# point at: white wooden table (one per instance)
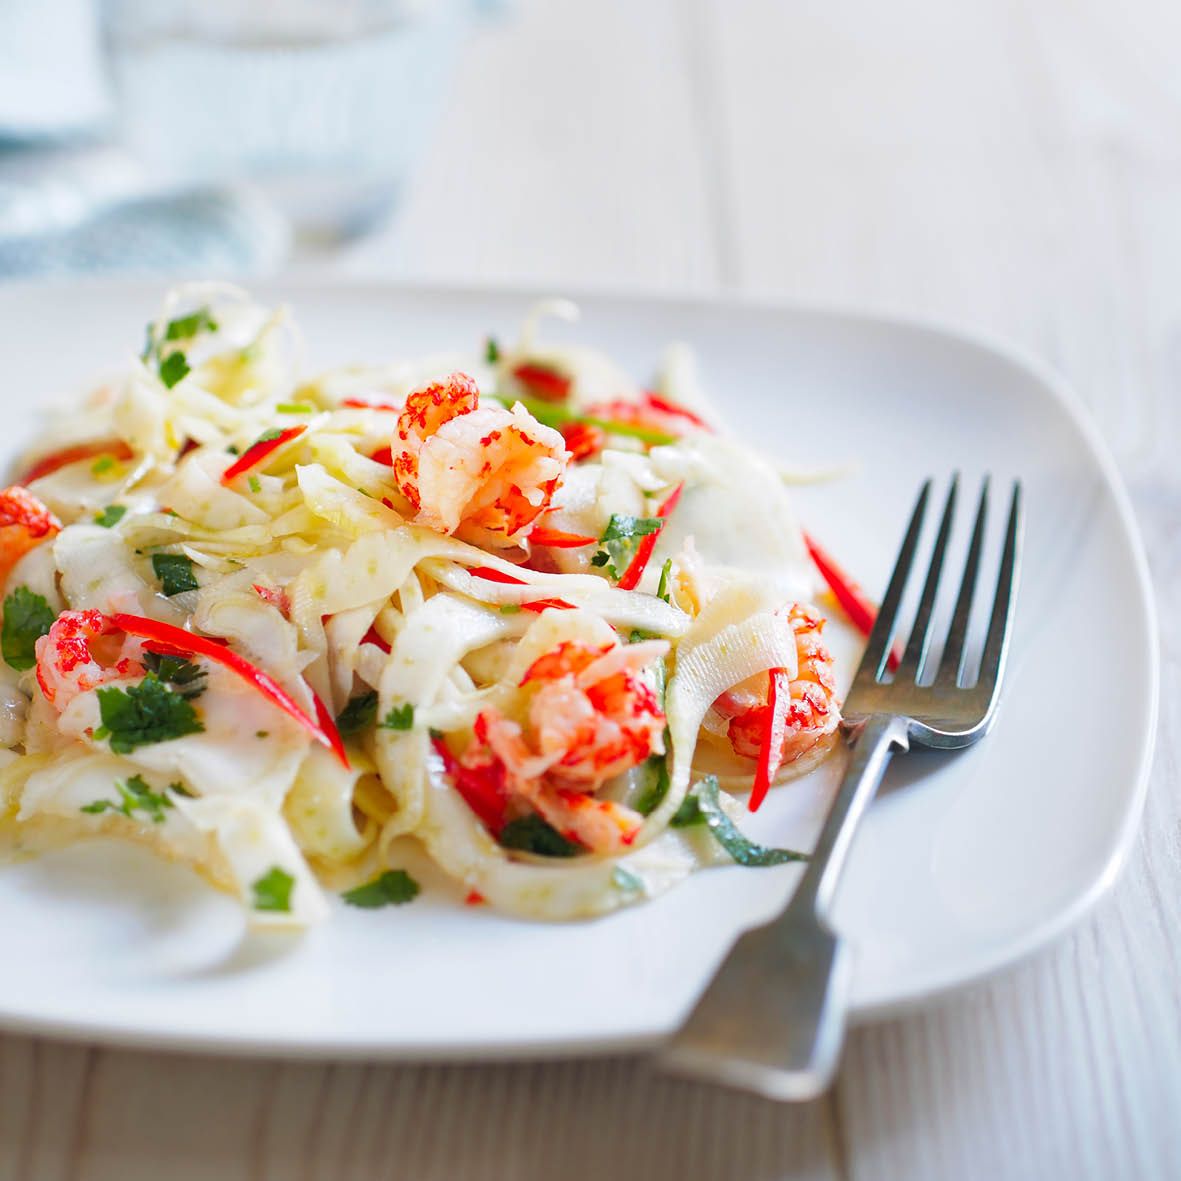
(1005, 166)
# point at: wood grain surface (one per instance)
(1004, 166)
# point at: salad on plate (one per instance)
(508, 606)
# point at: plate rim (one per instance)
(1018, 357)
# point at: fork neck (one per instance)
(873, 741)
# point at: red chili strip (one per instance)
(667, 407)
(322, 728)
(638, 564)
(771, 747)
(499, 576)
(361, 404)
(556, 539)
(853, 600)
(373, 636)
(481, 788)
(257, 453)
(543, 383)
(50, 463)
(582, 439)
(384, 455)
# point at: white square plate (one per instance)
(981, 858)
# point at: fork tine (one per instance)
(916, 645)
(951, 664)
(992, 663)
(877, 648)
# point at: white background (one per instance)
(1004, 166)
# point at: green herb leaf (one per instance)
(104, 463)
(357, 714)
(726, 833)
(294, 408)
(401, 717)
(255, 484)
(173, 368)
(144, 714)
(175, 572)
(651, 797)
(621, 540)
(393, 888)
(187, 678)
(136, 795)
(555, 415)
(27, 617)
(272, 891)
(266, 437)
(111, 515)
(186, 327)
(688, 814)
(491, 351)
(510, 609)
(662, 588)
(534, 834)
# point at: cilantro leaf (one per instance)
(392, 888)
(187, 678)
(173, 368)
(110, 516)
(726, 833)
(620, 541)
(255, 484)
(27, 617)
(688, 814)
(400, 717)
(533, 834)
(186, 327)
(357, 714)
(491, 350)
(136, 795)
(656, 788)
(175, 572)
(272, 891)
(143, 714)
(266, 437)
(662, 588)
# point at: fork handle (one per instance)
(773, 1018)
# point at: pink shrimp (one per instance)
(76, 655)
(483, 472)
(590, 716)
(24, 524)
(812, 713)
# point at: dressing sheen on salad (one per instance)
(509, 607)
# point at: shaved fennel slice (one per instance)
(433, 641)
(346, 509)
(716, 655)
(97, 573)
(319, 807)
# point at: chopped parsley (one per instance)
(534, 834)
(400, 717)
(173, 368)
(272, 891)
(392, 888)
(185, 677)
(136, 795)
(651, 797)
(510, 609)
(255, 484)
(27, 617)
(186, 327)
(725, 831)
(143, 714)
(104, 463)
(175, 572)
(662, 588)
(621, 540)
(491, 350)
(688, 814)
(359, 713)
(265, 437)
(111, 515)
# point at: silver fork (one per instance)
(773, 1019)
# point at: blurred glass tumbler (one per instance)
(321, 103)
